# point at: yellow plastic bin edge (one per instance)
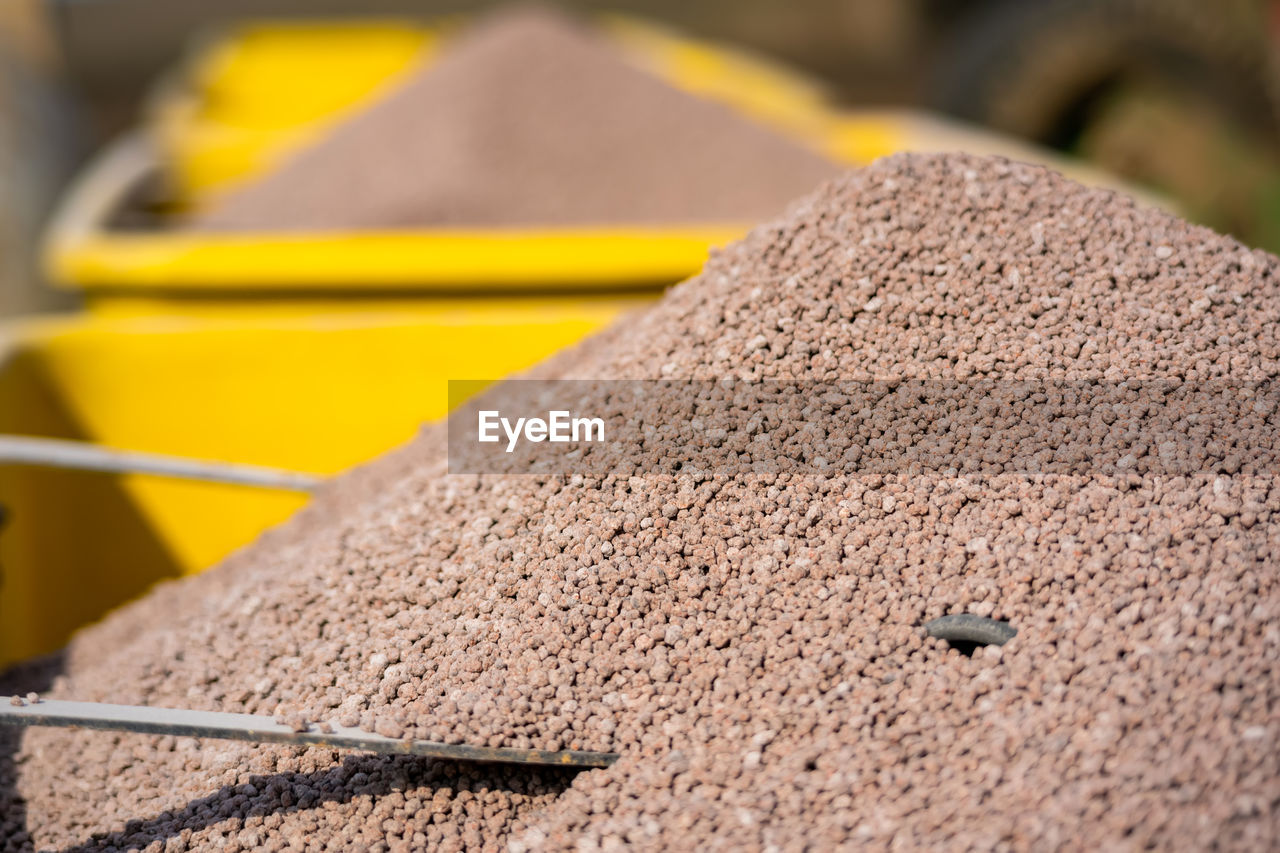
(595, 260)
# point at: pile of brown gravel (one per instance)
(751, 644)
(529, 119)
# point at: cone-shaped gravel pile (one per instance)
(752, 644)
(530, 119)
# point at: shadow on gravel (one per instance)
(37, 675)
(283, 793)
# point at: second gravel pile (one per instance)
(530, 119)
(751, 645)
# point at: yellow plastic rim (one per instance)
(576, 258)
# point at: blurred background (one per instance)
(1178, 95)
(124, 325)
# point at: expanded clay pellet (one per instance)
(752, 643)
(530, 118)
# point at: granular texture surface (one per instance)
(530, 120)
(752, 644)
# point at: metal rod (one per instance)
(59, 453)
(258, 729)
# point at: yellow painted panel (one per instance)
(450, 260)
(72, 543)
